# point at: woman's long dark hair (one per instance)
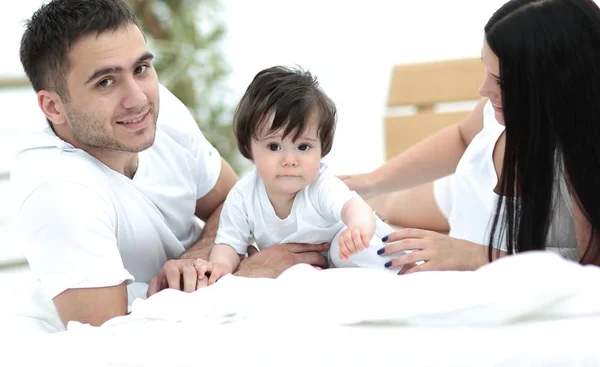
(549, 53)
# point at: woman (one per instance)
(542, 83)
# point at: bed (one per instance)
(532, 309)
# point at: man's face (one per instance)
(113, 92)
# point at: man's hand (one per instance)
(176, 274)
(268, 263)
(274, 260)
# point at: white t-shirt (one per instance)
(468, 200)
(316, 214)
(84, 225)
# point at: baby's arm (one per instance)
(226, 256)
(232, 239)
(360, 220)
(334, 200)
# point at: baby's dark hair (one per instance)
(292, 96)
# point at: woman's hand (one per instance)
(437, 251)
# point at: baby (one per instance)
(285, 125)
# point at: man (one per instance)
(109, 195)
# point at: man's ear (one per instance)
(52, 106)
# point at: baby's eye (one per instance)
(274, 147)
(303, 147)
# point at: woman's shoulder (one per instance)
(473, 123)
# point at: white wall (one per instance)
(18, 109)
(350, 45)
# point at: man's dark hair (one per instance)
(292, 96)
(55, 27)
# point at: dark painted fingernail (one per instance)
(388, 264)
(384, 239)
(381, 251)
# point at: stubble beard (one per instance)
(90, 131)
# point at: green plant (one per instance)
(185, 36)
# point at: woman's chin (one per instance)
(499, 117)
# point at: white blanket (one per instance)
(533, 286)
(532, 307)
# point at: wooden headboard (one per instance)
(424, 87)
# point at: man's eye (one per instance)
(105, 83)
(141, 69)
(303, 147)
(274, 147)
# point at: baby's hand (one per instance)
(212, 271)
(353, 240)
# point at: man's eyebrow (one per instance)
(145, 57)
(117, 69)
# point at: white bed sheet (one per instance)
(527, 310)
(251, 343)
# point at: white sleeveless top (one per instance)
(468, 200)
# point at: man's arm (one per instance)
(208, 208)
(272, 261)
(92, 305)
(69, 230)
(180, 273)
(201, 249)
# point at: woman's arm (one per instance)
(583, 235)
(435, 157)
(411, 208)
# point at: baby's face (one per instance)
(287, 166)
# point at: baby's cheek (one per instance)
(313, 172)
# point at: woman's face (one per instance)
(491, 86)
